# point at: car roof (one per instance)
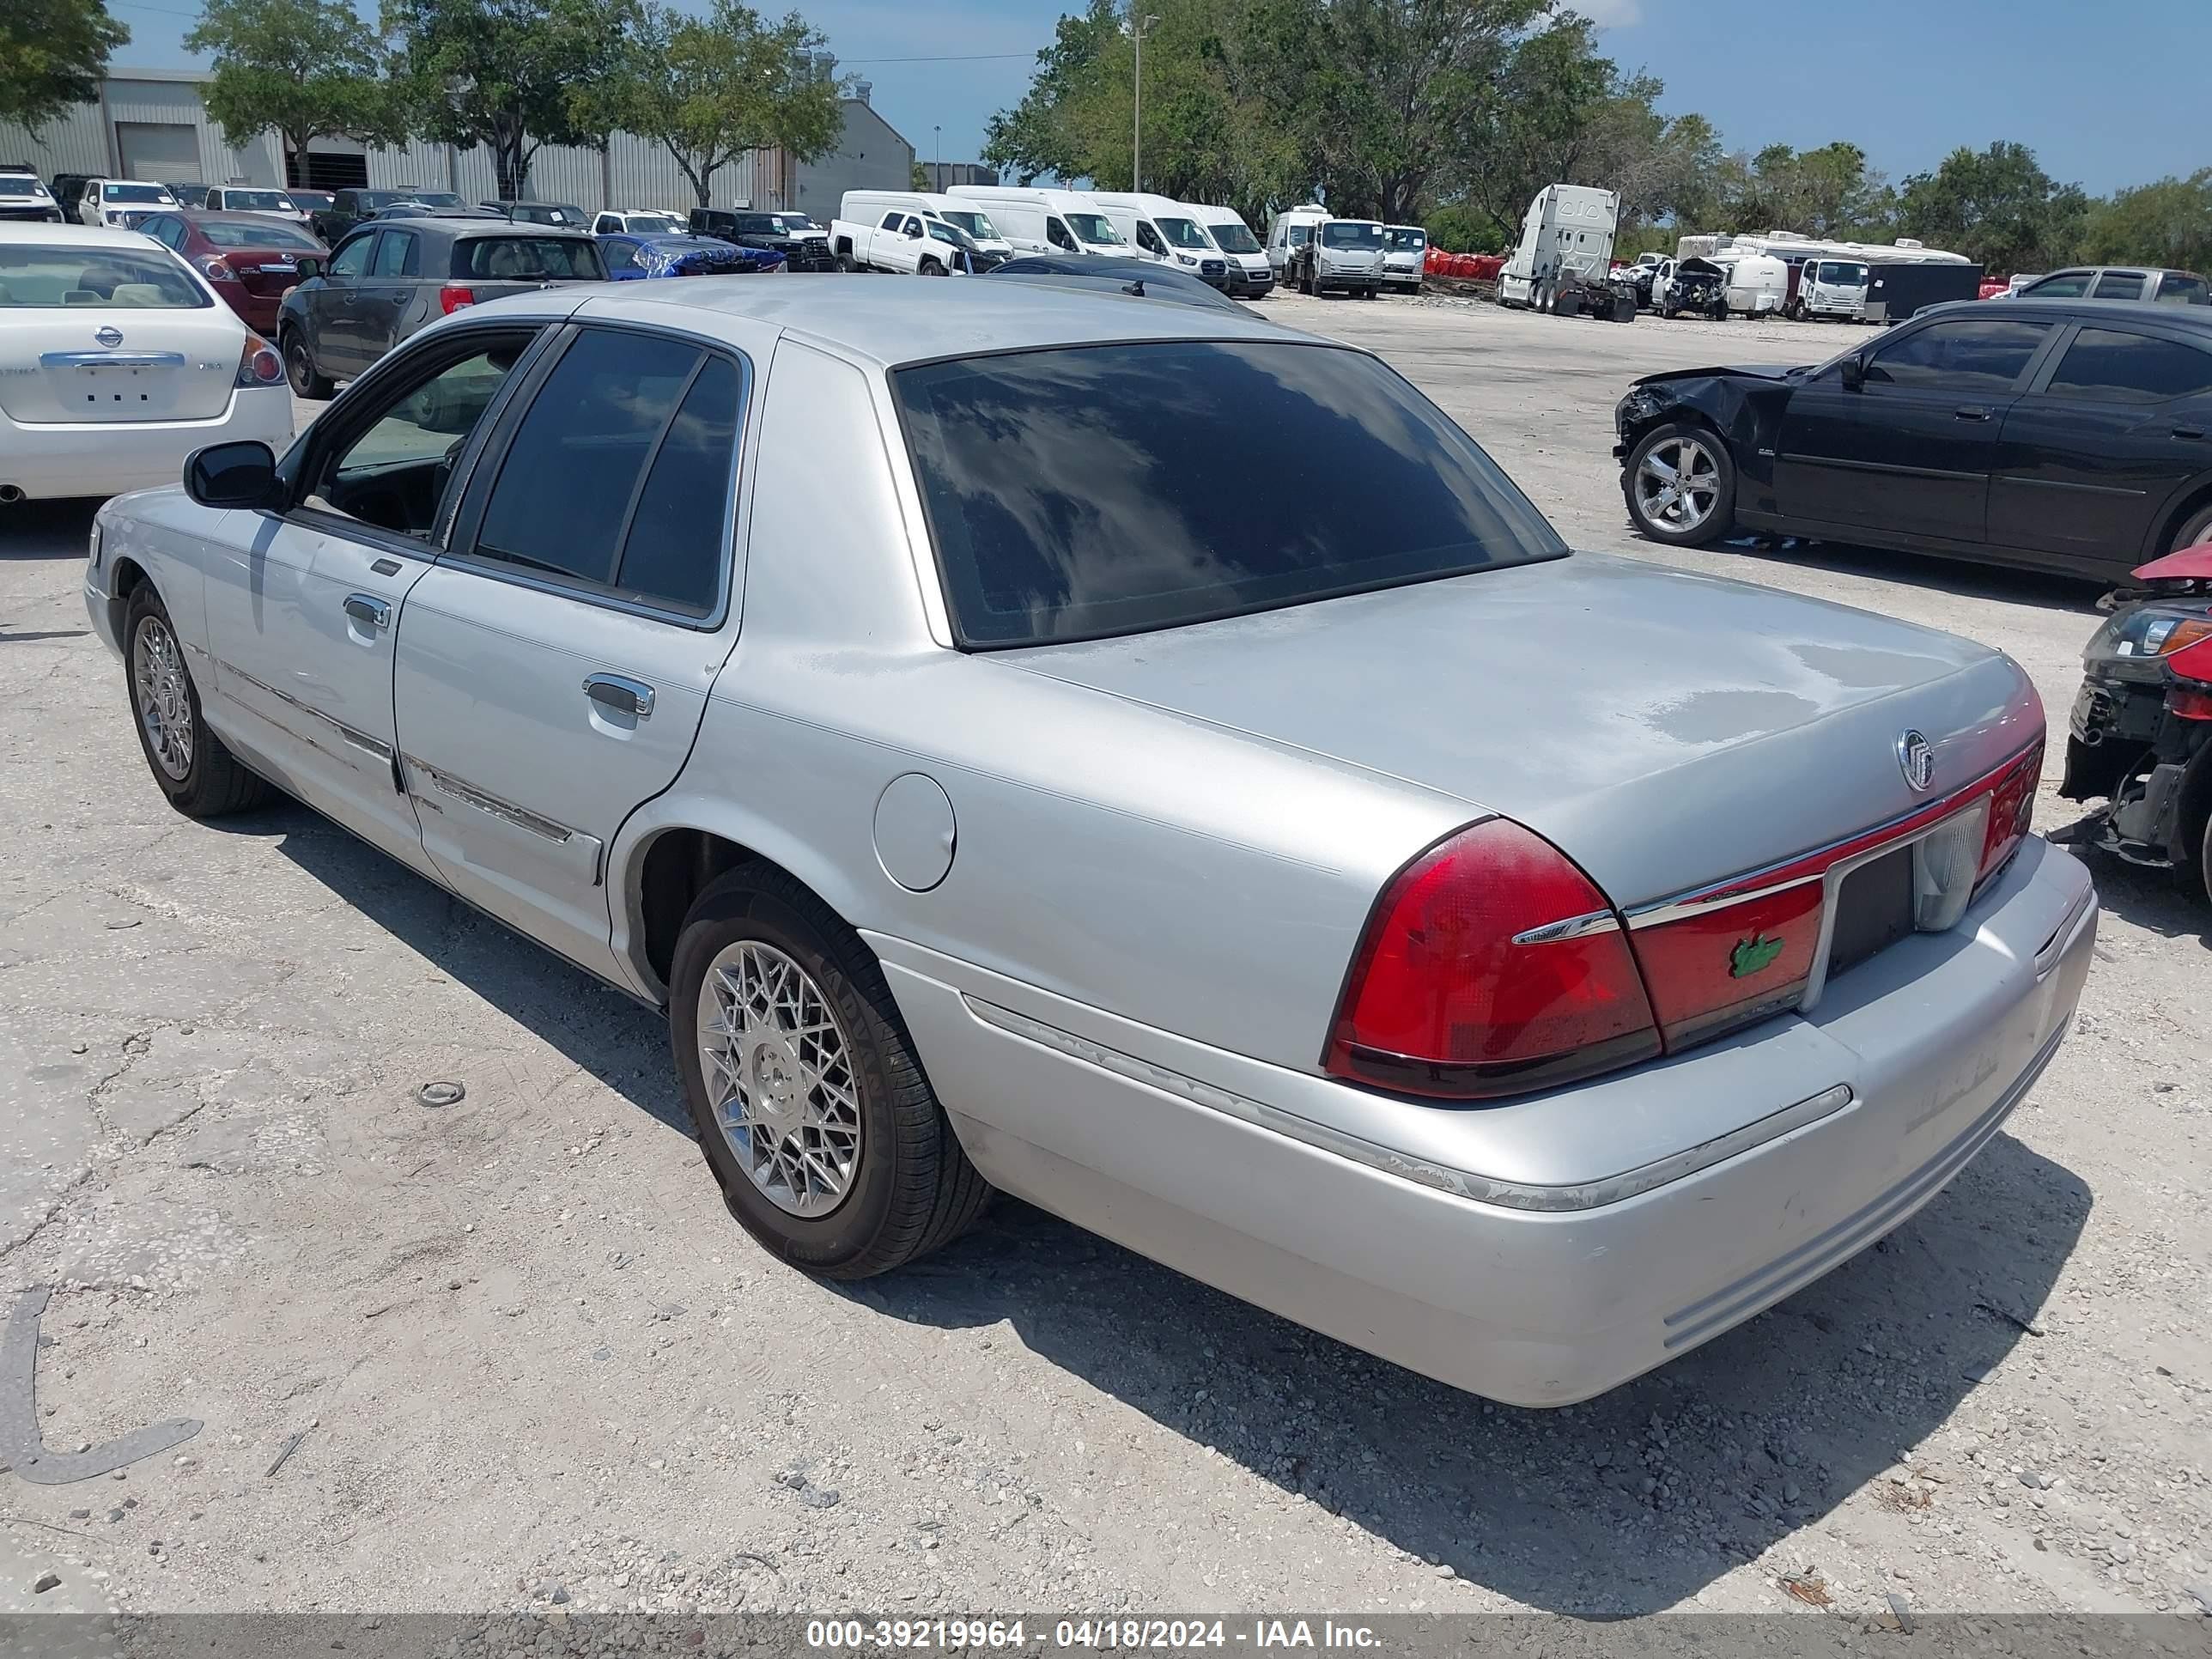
(2134, 311)
(224, 216)
(891, 323)
(456, 225)
(76, 236)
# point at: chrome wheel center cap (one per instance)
(777, 1084)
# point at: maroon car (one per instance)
(250, 257)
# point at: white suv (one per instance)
(112, 201)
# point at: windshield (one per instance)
(529, 258)
(945, 233)
(1097, 490)
(276, 234)
(34, 279)
(1234, 239)
(433, 199)
(257, 200)
(1402, 240)
(20, 184)
(653, 224)
(1093, 229)
(977, 225)
(1182, 232)
(1841, 271)
(137, 193)
(312, 198)
(372, 200)
(1339, 232)
(795, 223)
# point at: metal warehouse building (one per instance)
(151, 124)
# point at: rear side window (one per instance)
(395, 255)
(1982, 358)
(619, 476)
(527, 258)
(1114, 489)
(2119, 285)
(34, 278)
(2067, 285)
(2118, 366)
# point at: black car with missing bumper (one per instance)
(2072, 436)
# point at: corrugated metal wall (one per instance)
(178, 103)
(72, 144)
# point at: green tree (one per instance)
(301, 69)
(1997, 206)
(511, 75)
(54, 54)
(918, 176)
(708, 89)
(2165, 224)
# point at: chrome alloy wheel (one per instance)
(1678, 483)
(164, 696)
(779, 1074)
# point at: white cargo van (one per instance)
(1249, 273)
(1168, 230)
(1287, 237)
(1046, 220)
(1566, 238)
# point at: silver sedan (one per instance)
(1150, 762)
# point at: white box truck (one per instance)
(1566, 255)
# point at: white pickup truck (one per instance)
(902, 239)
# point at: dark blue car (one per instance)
(630, 257)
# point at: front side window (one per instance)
(529, 258)
(606, 224)
(2066, 285)
(2118, 366)
(1100, 490)
(1343, 235)
(2119, 285)
(352, 259)
(1148, 240)
(1299, 234)
(619, 476)
(1234, 239)
(395, 473)
(1093, 229)
(1058, 235)
(34, 277)
(1978, 359)
(621, 256)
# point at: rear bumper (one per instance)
(257, 311)
(50, 460)
(1936, 1041)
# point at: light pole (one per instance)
(1139, 22)
(937, 180)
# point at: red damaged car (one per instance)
(250, 257)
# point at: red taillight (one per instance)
(258, 363)
(2012, 810)
(1491, 965)
(215, 271)
(1732, 964)
(453, 297)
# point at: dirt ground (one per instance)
(521, 1356)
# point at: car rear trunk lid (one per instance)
(112, 364)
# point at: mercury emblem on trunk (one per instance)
(1917, 756)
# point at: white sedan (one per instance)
(116, 361)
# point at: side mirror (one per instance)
(309, 264)
(912, 234)
(242, 474)
(1853, 370)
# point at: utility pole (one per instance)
(1139, 22)
(937, 183)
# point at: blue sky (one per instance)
(2106, 92)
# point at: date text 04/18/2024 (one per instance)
(1105, 1633)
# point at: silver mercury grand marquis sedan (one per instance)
(1152, 761)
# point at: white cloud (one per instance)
(1612, 14)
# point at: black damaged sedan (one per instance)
(2066, 435)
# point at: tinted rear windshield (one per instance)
(1115, 490)
(37, 277)
(528, 258)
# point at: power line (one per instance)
(961, 57)
(166, 11)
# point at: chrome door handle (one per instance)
(620, 693)
(368, 609)
(1971, 412)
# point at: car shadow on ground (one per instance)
(1628, 1503)
(46, 530)
(1958, 577)
(2171, 904)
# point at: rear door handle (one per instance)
(368, 609)
(1972, 411)
(620, 693)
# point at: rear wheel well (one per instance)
(678, 865)
(2181, 516)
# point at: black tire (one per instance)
(214, 782)
(912, 1189)
(300, 369)
(2197, 528)
(931, 268)
(1718, 518)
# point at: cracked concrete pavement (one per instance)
(518, 1350)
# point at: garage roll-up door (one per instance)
(167, 153)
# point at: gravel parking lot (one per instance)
(521, 1356)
